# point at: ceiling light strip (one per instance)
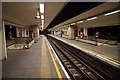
(91, 18)
(112, 12)
(41, 8)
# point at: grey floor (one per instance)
(29, 63)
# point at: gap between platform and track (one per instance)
(51, 50)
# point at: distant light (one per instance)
(72, 23)
(112, 13)
(91, 18)
(79, 21)
(42, 21)
(38, 17)
(41, 8)
(42, 16)
(25, 46)
(10, 26)
(38, 14)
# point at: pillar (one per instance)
(71, 31)
(36, 33)
(23, 32)
(3, 42)
(19, 32)
(54, 33)
(1, 30)
(85, 31)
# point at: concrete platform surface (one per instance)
(35, 62)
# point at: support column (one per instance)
(0, 40)
(71, 32)
(19, 32)
(3, 40)
(1, 30)
(23, 32)
(36, 33)
(85, 32)
(54, 32)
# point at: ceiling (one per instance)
(23, 13)
(72, 9)
(96, 11)
(56, 13)
(51, 11)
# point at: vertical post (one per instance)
(4, 49)
(119, 48)
(85, 32)
(0, 30)
(0, 40)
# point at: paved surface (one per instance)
(108, 51)
(30, 63)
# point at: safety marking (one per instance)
(44, 69)
(55, 64)
(64, 70)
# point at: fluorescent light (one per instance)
(42, 8)
(42, 16)
(10, 26)
(72, 23)
(91, 18)
(38, 17)
(79, 21)
(42, 21)
(112, 13)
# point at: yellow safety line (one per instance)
(56, 67)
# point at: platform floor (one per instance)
(109, 51)
(35, 62)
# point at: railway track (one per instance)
(83, 67)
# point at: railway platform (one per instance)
(36, 62)
(106, 53)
